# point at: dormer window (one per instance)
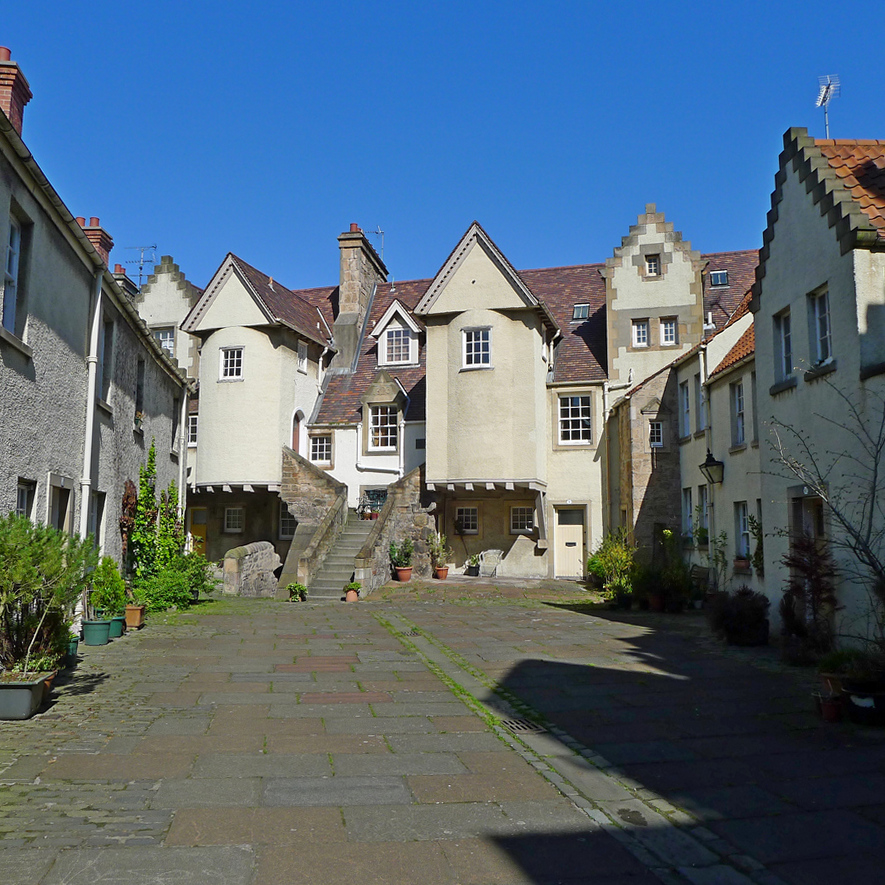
(397, 345)
(581, 312)
(718, 277)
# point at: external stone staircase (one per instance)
(337, 567)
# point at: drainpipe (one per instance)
(91, 394)
(182, 449)
(359, 450)
(402, 429)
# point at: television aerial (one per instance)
(828, 90)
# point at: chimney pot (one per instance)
(354, 228)
(118, 268)
(14, 90)
(81, 221)
(94, 222)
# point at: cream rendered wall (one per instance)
(484, 424)
(240, 437)
(805, 254)
(575, 473)
(233, 305)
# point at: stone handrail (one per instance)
(323, 539)
(249, 570)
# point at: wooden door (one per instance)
(569, 546)
(198, 529)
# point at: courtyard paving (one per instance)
(485, 733)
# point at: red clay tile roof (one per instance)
(286, 306)
(745, 346)
(860, 167)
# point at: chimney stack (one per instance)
(98, 236)
(14, 90)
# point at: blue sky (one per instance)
(208, 127)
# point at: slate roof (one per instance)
(860, 167)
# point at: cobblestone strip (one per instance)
(672, 843)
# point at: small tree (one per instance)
(848, 475)
(614, 559)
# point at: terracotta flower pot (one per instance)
(404, 574)
(134, 617)
(441, 572)
(351, 596)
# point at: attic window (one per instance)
(718, 277)
(581, 312)
(653, 265)
(397, 346)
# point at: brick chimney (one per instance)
(361, 269)
(14, 90)
(98, 236)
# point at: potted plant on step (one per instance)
(42, 573)
(439, 555)
(297, 592)
(401, 558)
(352, 591)
(472, 567)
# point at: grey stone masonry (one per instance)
(249, 570)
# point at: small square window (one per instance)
(166, 337)
(302, 356)
(24, 498)
(575, 420)
(581, 312)
(467, 520)
(640, 333)
(321, 448)
(231, 363)
(653, 265)
(421, 443)
(656, 434)
(522, 520)
(669, 332)
(718, 277)
(192, 429)
(234, 520)
(288, 523)
(477, 348)
(397, 345)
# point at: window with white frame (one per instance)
(718, 277)
(640, 333)
(234, 520)
(819, 315)
(24, 498)
(288, 523)
(397, 345)
(738, 427)
(231, 368)
(10, 276)
(321, 448)
(656, 434)
(166, 337)
(687, 513)
(477, 348)
(653, 265)
(741, 530)
(96, 516)
(581, 312)
(383, 428)
(522, 520)
(106, 359)
(754, 411)
(575, 420)
(467, 520)
(192, 421)
(684, 410)
(302, 357)
(669, 336)
(700, 403)
(783, 346)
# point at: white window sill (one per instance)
(16, 342)
(226, 380)
(476, 368)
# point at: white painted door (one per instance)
(569, 545)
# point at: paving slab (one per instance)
(256, 826)
(338, 791)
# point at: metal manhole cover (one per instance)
(523, 726)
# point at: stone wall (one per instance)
(249, 570)
(407, 513)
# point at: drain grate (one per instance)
(523, 726)
(412, 633)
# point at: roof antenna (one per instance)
(140, 260)
(380, 233)
(830, 88)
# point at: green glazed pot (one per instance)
(96, 632)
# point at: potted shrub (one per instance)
(401, 559)
(472, 567)
(439, 555)
(108, 595)
(42, 573)
(352, 591)
(741, 617)
(297, 592)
